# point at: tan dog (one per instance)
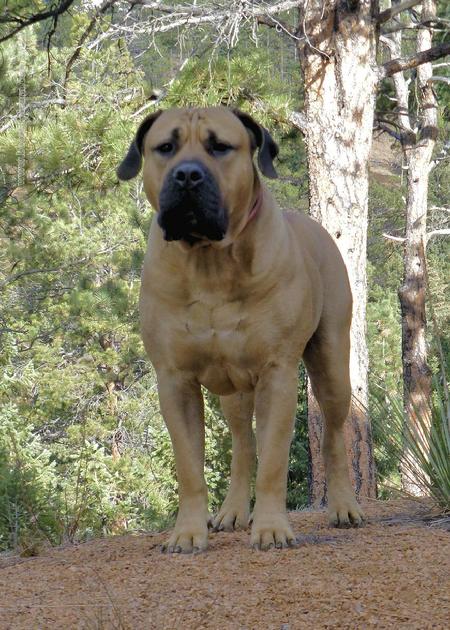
(234, 293)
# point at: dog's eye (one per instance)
(220, 148)
(165, 148)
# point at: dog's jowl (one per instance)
(234, 294)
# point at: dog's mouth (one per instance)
(191, 220)
(192, 212)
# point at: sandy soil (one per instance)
(393, 573)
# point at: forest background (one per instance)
(83, 448)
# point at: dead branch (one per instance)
(384, 128)
(250, 8)
(395, 10)
(444, 154)
(278, 25)
(29, 107)
(443, 232)
(298, 120)
(226, 16)
(439, 209)
(436, 26)
(406, 63)
(295, 181)
(397, 239)
(440, 78)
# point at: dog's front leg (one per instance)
(181, 404)
(275, 406)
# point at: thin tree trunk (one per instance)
(412, 294)
(338, 61)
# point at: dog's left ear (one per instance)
(132, 162)
(267, 147)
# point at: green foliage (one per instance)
(84, 450)
(83, 447)
(233, 80)
(422, 449)
(297, 492)
(385, 273)
(28, 497)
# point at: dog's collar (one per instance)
(255, 208)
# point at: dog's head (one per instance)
(198, 170)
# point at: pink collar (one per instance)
(255, 208)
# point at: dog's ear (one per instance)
(261, 138)
(132, 162)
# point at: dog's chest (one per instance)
(213, 321)
(216, 336)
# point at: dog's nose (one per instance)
(189, 174)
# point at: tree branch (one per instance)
(406, 63)
(396, 9)
(443, 232)
(295, 181)
(74, 263)
(256, 8)
(440, 209)
(32, 19)
(397, 239)
(382, 127)
(443, 154)
(440, 78)
(102, 9)
(30, 106)
(298, 120)
(436, 26)
(165, 18)
(278, 25)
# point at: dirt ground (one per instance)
(393, 573)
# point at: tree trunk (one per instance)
(338, 61)
(418, 149)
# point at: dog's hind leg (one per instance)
(235, 510)
(327, 361)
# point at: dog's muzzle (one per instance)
(190, 205)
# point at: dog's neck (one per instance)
(246, 246)
(255, 208)
(263, 221)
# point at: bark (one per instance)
(424, 56)
(338, 61)
(418, 150)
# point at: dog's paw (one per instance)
(188, 536)
(234, 514)
(344, 511)
(271, 531)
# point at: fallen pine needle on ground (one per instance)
(392, 573)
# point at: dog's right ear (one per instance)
(132, 162)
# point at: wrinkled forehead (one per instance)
(198, 124)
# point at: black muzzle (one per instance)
(190, 204)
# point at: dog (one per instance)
(234, 294)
